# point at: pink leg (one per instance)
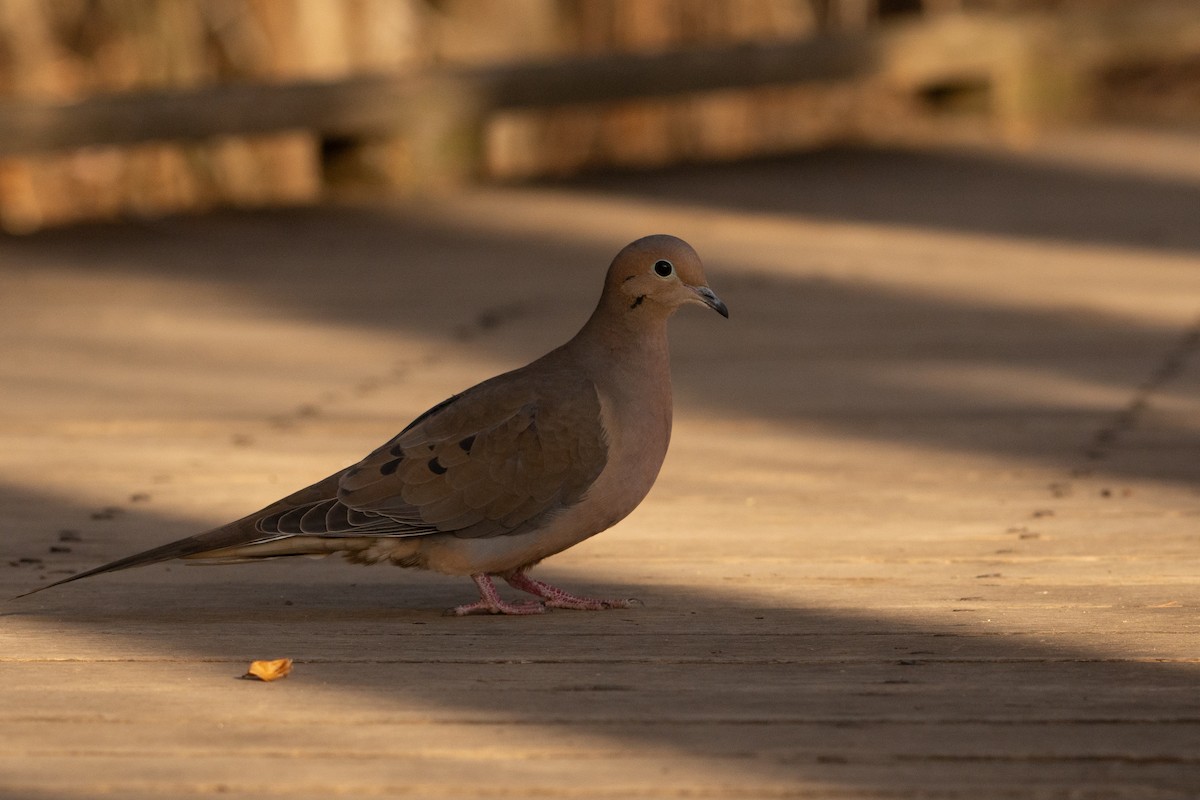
(489, 602)
(557, 598)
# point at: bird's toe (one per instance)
(486, 607)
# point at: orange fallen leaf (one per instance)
(269, 670)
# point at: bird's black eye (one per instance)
(663, 269)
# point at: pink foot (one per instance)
(489, 602)
(558, 598)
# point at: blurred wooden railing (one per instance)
(440, 114)
(379, 105)
(1027, 65)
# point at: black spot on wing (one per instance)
(436, 467)
(467, 443)
(390, 467)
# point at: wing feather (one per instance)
(492, 462)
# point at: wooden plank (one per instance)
(421, 637)
(826, 775)
(724, 731)
(893, 690)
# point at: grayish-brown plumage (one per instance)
(515, 469)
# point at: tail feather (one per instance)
(242, 532)
(226, 536)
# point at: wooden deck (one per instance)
(930, 525)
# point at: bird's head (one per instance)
(659, 274)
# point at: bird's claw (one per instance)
(490, 602)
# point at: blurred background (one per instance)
(127, 108)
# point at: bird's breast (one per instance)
(637, 434)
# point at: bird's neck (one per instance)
(634, 337)
(628, 360)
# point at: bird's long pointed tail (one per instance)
(226, 536)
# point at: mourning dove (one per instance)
(515, 469)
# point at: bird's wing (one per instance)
(488, 462)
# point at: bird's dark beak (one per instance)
(710, 299)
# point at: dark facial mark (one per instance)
(436, 467)
(466, 443)
(639, 300)
(390, 467)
